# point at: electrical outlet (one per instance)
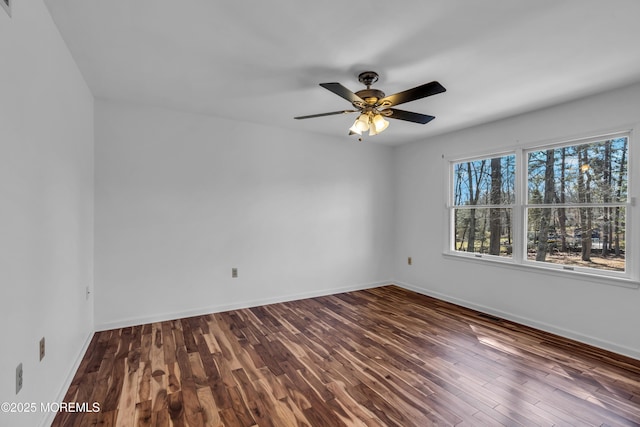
(18, 378)
(42, 348)
(409, 261)
(234, 272)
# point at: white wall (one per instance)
(605, 315)
(182, 198)
(46, 209)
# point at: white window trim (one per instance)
(630, 278)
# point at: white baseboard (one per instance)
(234, 306)
(48, 419)
(596, 342)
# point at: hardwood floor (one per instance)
(378, 357)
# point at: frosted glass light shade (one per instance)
(379, 123)
(354, 129)
(362, 123)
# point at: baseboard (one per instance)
(596, 342)
(48, 419)
(235, 306)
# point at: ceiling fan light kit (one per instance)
(374, 123)
(373, 105)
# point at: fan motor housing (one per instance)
(370, 96)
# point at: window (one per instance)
(484, 194)
(562, 206)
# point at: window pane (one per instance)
(585, 173)
(582, 237)
(484, 182)
(483, 230)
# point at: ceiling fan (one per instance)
(373, 105)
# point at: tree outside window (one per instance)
(571, 213)
(576, 204)
(484, 192)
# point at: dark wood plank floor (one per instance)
(378, 357)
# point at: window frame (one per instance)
(452, 207)
(628, 278)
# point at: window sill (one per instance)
(495, 261)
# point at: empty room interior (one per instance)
(281, 213)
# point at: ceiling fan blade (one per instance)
(409, 116)
(342, 91)
(325, 114)
(418, 92)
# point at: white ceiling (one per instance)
(261, 61)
